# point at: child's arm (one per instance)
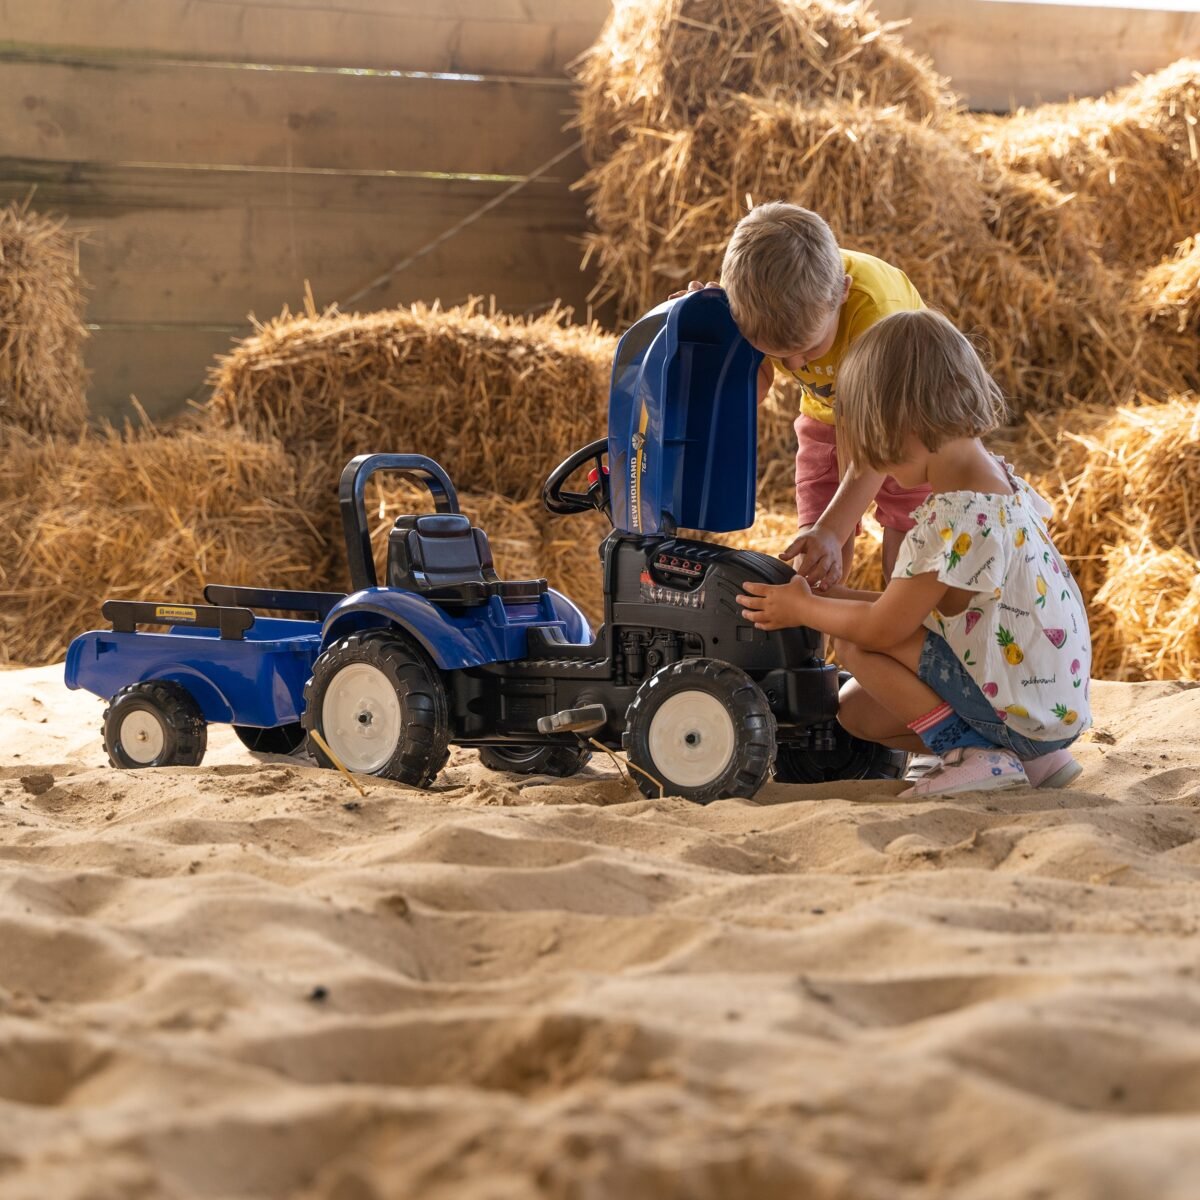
(821, 544)
(874, 624)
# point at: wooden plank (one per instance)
(206, 114)
(163, 367)
(530, 37)
(211, 246)
(1000, 55)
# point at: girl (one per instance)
(978, 649)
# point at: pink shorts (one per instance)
(817, 480)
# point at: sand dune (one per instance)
(245, 980)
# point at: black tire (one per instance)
(154, 725)
(670, 745)
(283, 739)
(560, 761)
(851, 758)
(413, 734)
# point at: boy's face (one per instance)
(796, 358)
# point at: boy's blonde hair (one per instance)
(911, 375)
(783, 274)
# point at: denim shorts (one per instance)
(941, 670)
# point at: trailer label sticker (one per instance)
(174, 612)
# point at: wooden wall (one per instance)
(1001, 54)
(223, 152)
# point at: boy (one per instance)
(802, 301)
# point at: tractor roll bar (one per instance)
(351, 501)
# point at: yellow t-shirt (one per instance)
(876, 291)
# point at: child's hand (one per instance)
(694, 286)
(776, 606)
(821, 561)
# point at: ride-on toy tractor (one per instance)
(444, 651)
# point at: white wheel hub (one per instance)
(361, 717)
(142, 736)
(691, 738)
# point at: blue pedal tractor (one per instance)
(445, 651)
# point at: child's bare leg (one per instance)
(889, 694)
(892, 541)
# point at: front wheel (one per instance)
(701, 728)
(380, 705)
(559, 761)
(155, 724)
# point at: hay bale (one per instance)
(1169, 295)
(41, 325)
(1126, 489)
(497, 400)
(663, 63)
(1148, 612)
(1131, 159)
(991, 249)
(147, 517)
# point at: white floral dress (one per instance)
(1024, 637)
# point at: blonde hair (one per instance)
(783, 274)
(912, 375)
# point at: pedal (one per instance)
(585, 719)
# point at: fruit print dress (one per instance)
(1024, 637)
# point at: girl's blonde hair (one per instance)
(912, 375)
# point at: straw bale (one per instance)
(1170, 292)
(1132, 159)
(1151, 612)
(142, 517)
(663, 63)
(989, 248)
(41, 325)
(497, 400)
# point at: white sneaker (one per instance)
(1057, 769)
(919, 765)
(975, 769)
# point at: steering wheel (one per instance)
(596, 497)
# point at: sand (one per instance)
(245, 980)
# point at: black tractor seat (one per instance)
(444, 558)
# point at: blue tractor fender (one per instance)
(472, 637)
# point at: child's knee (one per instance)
(846, 653)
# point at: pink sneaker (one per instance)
(975, 769)
(1057, 769)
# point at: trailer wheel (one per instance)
(379, 703)
(559, 761)
(282, 739)
(704, 729)
(155, 724)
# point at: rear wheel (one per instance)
(702, 728)
(154, 725)
(560, 761)
(283, 739)
(379, 703)
(851, 758)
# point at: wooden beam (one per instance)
(1001, 55)
(205, 114)
(202, 246)
(506, 37)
